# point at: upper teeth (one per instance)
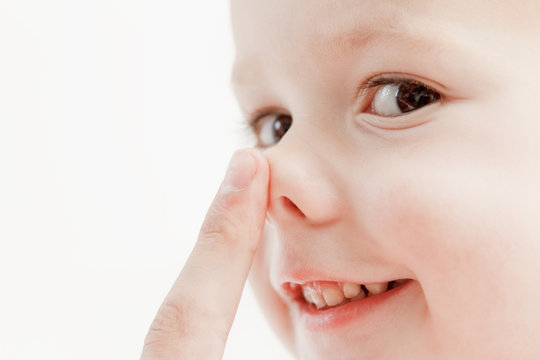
(326, 293)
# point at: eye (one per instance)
(270, 128)
(397, 97)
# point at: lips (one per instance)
(329, 304)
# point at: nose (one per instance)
(304, 185)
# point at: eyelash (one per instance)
(361, 91)
(254, 118)
(382, 81)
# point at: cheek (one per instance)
(468, 234)
(445, 219)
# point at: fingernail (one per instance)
(241, 171)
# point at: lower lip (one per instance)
(368, 310)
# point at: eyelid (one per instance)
(391, 79)
(395, 78)
(253, 118)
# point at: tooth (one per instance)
(375, 289)
(351, 290)
(361, 295)
(307, 295)
(332, 296)
(318, 300)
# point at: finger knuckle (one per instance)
(171, 322)
(179, 330)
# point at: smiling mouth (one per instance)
(323, 295)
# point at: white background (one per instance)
(117, 122)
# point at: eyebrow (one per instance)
(335, 47)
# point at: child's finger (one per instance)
(194, 320)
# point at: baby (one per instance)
(398, 184)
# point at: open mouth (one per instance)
(322, 295)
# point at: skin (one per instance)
(446, 195)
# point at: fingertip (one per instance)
(241, 203)
(240, 172)
(261, 186)
(261, 161)
(247, 166)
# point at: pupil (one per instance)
(281, 125)
(413, 96)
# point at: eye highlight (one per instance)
(397, 96)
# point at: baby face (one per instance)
(404, 199)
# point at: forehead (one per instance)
(279, 28)
(288, 31)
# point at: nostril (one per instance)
(290, 206)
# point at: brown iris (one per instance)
(281, 125)
(412, 96)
